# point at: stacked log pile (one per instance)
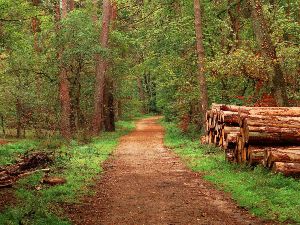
(257, 135)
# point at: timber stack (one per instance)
(257, 135)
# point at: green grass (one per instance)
(79, 164)
(267, 195)
(9, 152)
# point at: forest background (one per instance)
(77, 66)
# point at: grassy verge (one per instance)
(79, 164)
(265, 194)
(9, 152)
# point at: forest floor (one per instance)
(3, 142)
(145, 183)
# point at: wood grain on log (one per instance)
(288, 169)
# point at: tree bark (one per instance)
(141, 94)
(110, 85)
(287, 169)
(35, 24)
(109, 106)
(101, 68)
(3, 125)
(71, 5)
(287, 155)
(64, 8)
(75, 89)
(201, 58)
(35, 27)
(255, 154)
(64, 85)
(76, 117)
(19, 117)
(261, 30)
(235, 22)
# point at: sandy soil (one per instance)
(145, 183)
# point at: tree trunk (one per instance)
(71, 5)
(235, 23)
(3, 125)
(35, 24)
(19, 117)
(118, 109)
(201, 57)
(80, 119)
(110, 86)
(64, 12)
(64, 85)
(35, 27)
(109, 106)
(141, 94)
(101, 68)
(76, 117)
(75, 89)
(261, 30)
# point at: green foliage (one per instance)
(79, 164)
(77, 35)
(234, 64)
(265, 194)
(151, 57)
(9, 152)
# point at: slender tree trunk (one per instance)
(64, 85)
(109, 106)
(263, 37)
(288, 10)
(71, 5)
(75, 87)
(201, 58)
(19, 117)
(101, 68)
(3, 125)
(74, 101)
(77, 119)
(235, 23)
(35, 24)
(80, 120)
(141, 94)
(110, 85)
(64, 8)
(118, 109)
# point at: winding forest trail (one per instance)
(145, 183)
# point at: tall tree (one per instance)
(76, 116)
(262, 33)
(234, 14)
(71, 5)
(35, 24)
(64, 88)
(35, 27)
(109, 98)
(201, 58)
(141, 94)
(101, 68)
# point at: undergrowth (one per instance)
(267, 195)
(79, 164)
(9, 152)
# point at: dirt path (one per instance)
(144, 183)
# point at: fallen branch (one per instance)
(27, 165)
